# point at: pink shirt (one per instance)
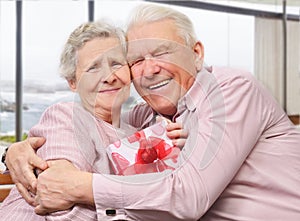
(241, 160)
(71, 133)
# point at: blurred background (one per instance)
(262, 37)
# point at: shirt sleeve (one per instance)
(224, 128)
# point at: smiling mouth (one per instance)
(109, 90)
(159, 85)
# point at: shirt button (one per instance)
(110, 212)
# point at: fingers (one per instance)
(21, 173)
(26, 176)
(177, 134)
(52, 163)
(25, 194)
(22, 160)
(179, 143)
(173, 126)
(36, 142)
(40, 210)
(175, 131)
(34, 161)
(37, 162)
(29, 180)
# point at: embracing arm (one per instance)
(21, 161)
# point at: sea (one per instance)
(35, 104)
(36, 98)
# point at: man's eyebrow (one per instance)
(161, 47)
(133, 56)
(153, 47)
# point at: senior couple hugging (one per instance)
(237, 153)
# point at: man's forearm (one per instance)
(83, 190)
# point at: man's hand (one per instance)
(175, 132)
(21, 161)
(61, 186)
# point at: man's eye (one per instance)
(160, 54)
(136, 62)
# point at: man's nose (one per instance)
(150, 67)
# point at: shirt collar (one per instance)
(193, 96)
(150, 120)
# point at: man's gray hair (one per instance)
(151, 13)
(77, 39)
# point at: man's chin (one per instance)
(162, 105)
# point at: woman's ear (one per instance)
(72, 85)
(199, 53)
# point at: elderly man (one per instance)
(241, 159)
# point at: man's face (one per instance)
(163, 67)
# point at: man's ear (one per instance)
(199, 49)
(72, 85)
(199, 53)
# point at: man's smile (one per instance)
(159, 85)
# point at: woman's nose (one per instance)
(110, 78)
(108, 75)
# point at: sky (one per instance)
(228, 39)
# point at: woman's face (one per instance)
(102, 77)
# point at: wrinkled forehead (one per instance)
(113, 50)
(116, 51)
(100, 55)
(100, 46)
(150, 45)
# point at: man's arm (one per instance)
(21, 161)
(64, 184)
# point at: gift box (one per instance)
(146, 151)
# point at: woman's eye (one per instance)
(93, 69)
(116, 65)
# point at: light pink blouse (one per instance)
(74, 134)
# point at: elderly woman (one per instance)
(94, 64)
